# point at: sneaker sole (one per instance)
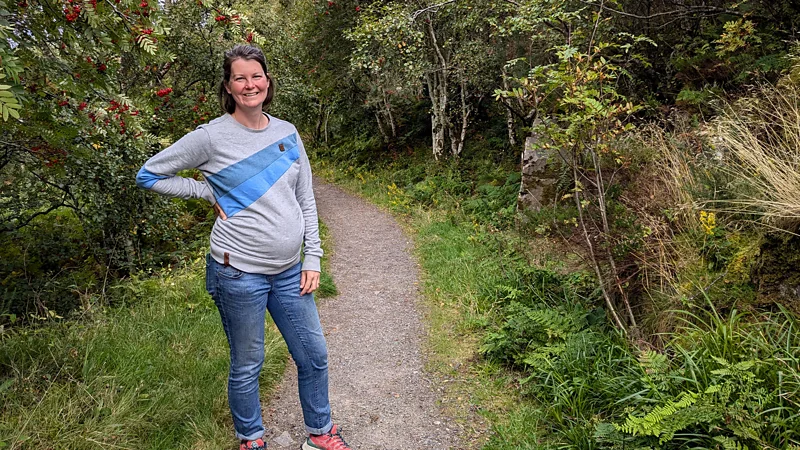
(307, 446)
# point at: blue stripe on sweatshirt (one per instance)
(240, 172)
(146, 179)
(255, 186)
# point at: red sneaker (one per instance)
(331, 440)
(257, 444)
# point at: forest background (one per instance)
(649, 301)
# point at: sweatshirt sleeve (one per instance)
(189, 152)
(304, 192)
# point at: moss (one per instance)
(776, 271)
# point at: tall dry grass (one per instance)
(760, 138)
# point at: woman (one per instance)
(258, 179)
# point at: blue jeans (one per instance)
(243, 299)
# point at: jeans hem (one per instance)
(252, 437)
(322, 430)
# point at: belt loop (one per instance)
(227, 259)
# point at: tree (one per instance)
(444, 49)
(102, 85)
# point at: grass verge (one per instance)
(148, 373)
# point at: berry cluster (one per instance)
(101, 67)
(164, 92)
(72, 11)
(224, 19)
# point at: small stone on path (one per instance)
(283, 440)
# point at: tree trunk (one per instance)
(512, 139)
(457, 142)
(380, 127)
(437, 89)
(390, 116)
(438, 114)
(327, 116)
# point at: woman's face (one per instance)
(248, 84)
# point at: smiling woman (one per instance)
(258, 179)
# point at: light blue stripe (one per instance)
(146, 179)
(254, 188)
(242, 171)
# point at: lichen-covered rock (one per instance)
(777, 271)
(537, 188)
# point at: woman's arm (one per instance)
(312, 248)
(158, 173)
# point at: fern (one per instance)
(730, 443)
(652, 424)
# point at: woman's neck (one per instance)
(255, 120)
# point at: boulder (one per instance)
(537, 188)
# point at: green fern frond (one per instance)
(730, 443)
(651, 423)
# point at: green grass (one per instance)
(327, 287)
(147, 375)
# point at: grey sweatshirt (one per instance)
(260, 178)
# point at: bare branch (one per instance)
(417, 13)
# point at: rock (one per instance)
(775, 273)
(537, 188)
(283, 440)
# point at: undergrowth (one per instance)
(521, 330)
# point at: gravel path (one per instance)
(380, 395)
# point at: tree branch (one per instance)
(417, 13)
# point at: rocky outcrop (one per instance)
(538, 185)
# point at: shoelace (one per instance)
(339, 442)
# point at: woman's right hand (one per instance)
(219, 212)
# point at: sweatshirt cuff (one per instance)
(208, 195)
(311, 262)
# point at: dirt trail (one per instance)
(380, 395)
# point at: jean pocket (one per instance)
(229, 272)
